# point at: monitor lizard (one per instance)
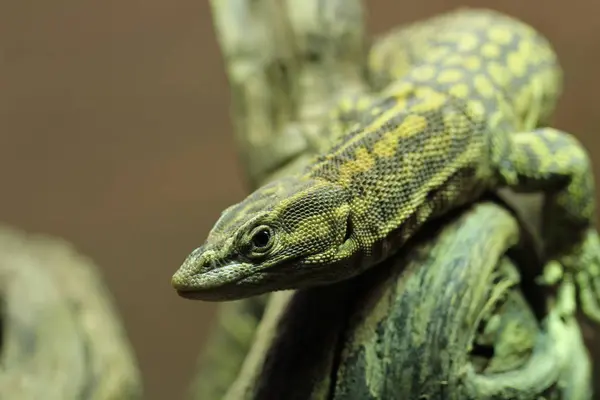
(468, 114)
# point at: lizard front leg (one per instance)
(556, 163)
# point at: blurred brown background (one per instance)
(115, 134)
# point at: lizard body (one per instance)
(465, 112)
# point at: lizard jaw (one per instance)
(200, 277)
(191, 282)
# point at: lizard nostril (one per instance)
(197, 262)
(200, 260)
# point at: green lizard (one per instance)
(466, 115)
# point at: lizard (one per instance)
(468, 115)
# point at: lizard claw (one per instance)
(588, 284)
(578, 275)
(583, 269)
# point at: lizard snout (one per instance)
(202, 276)
(197, 263)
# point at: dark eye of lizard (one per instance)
(261, 238)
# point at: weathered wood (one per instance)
(287, 62)
(62, 338)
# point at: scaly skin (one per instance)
(464, 115)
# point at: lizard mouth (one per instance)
(214, 284)
(236, 280)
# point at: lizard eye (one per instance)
(261, 240)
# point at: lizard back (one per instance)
(436, 136)
(424, 146)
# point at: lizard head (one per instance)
(290, 233)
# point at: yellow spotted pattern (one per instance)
(460, 105)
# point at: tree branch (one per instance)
(287, 62)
